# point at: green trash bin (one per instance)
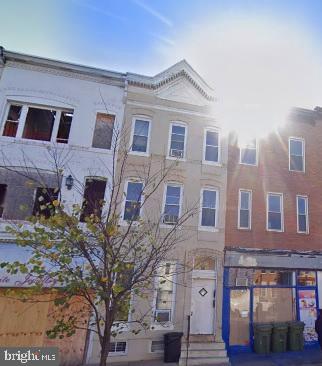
(295, 336)
(262, 337)
(279, 337)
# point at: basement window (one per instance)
(43, 205)
(93, 198)
(117, 348)
(3, 191)
(103, 132)
(157, 347)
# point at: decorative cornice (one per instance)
(181, 69)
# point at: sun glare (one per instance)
(259, 68)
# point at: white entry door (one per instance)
(202, 306)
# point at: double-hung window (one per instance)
(133, 201)
(38, 123)
(172, 204)
(296, 154)
(275, 220)
(165, 293)
(248, 153)
(140, 139)
(211, 146)
(302, 214)
(177, 140)
(209, 203)
(103, 133)
(93, 198)
(244, 209)
(3, 192)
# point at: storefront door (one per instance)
(239, 317)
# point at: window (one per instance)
(273, 278)
(306, 278)
(165, 293)
(275, 212)
(140, 138)
(64, 127)
(123, 280)
(133, 200)
(177, 141)
(103, 132)
(209, 208)
(211, 152)
(157, 346)
(93, 198)
(302, 214)
(296, 154)
(11, 124)
(117, 347)
(244, 209)
(38, 123)
(172, 204)
(3, 191)
(43, 204)
(248, 153)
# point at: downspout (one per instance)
(2, 56)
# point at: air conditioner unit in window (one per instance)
(176, 153)
(170, 219)
(241, 281)
(162, 316)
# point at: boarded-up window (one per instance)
(103, 131)
(3, 190)
(93, 197)
(43, 204)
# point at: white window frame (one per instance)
(122, 221)
(210, 162)
(306, 214)
(150, 346)
(180, 124)
(22, 121)
(170, 324)
(289, 153)
(282, 210)
(173, 184)
(209, 228)
(115, 354)
(145, 119)
(245, 147)
(250, 203)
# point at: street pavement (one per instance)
(308, 357)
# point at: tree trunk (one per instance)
(104, 351)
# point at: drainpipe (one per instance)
(188, 340)
(2, 57)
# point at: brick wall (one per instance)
(272, 175)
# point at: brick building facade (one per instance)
(273, 228)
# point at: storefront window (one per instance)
(267, 277)
(239, 317)
(307, 306)
(240, 277)
(274, 305)
(306, 278)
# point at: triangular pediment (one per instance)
(181, 90)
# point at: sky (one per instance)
(258, 56)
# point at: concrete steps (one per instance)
(203, 351)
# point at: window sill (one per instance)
(303, 232)
(125, 223)
(137, 153)
(248, 164)
(244, 228)
(117, 354)
(168, 226)
(174, 158)
(165, 326)
(212, 163)
(208, 229)
(297, 171)
(275, 231)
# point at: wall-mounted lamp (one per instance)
(69, 182)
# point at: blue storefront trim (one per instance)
(233, 349)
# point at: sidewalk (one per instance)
(308, 357)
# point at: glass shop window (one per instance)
(306, 278)
(273, 278)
